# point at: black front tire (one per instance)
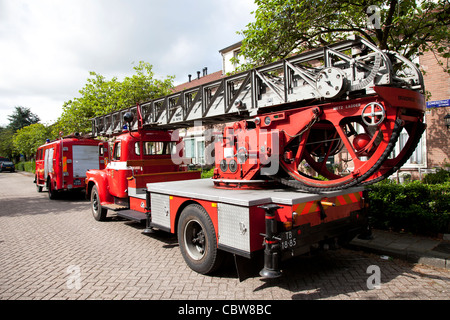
(197, 240)
(98, 211)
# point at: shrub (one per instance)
(440, 176)
(207, 173)
(415, 207)
(29, 166)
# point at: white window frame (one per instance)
(420, 151)
(196, 157)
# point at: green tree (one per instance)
(405, 26)
(100, 96)
(6, 144)
(29, 138)
(21, 117)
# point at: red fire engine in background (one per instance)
(61, 164)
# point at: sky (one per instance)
(48, 47)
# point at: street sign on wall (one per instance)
(438, 103)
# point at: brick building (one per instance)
(437, 83)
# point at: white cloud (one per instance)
(47, 48)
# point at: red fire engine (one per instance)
(275, 190)
(138, 158)
(61, 164)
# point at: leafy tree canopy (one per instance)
(29, 138)
(405, 26)
(100, 96)
(21, 117)
(6, 146)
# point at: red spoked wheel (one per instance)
(361, 143)
(414, 132)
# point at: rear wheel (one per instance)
(98, 211)
(197, 240)
(51, 191)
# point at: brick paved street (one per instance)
(56, 250)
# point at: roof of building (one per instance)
(198, 81)
(231, 47)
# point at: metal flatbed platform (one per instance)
(204, 189)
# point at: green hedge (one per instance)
(207, 173)
(416, 207)
(29, 166)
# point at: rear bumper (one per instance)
(301, 239)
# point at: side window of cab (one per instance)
(116, 152)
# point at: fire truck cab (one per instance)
(61, 165)
(138, 158)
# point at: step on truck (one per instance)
(303, 138)
(61, 164)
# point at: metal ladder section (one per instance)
(337, 72)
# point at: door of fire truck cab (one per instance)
(40, 178)
(103, 154)
(117, 172)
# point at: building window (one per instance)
(418, 158)
(194, 148)
(200, 151)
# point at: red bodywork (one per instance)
(313, 135)
(138, 158)
(62, 164)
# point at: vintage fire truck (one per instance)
(137, 158)
(304, 136)
(61, 164)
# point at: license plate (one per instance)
(77, 183)
(288, 240)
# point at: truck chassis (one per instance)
(278, 223)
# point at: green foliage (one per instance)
(29, 138)
(283, 26)
(206, 174)
(21, 117)
(29, 166)
(6, 145)
(414, 207)
(441, 176)
(100, 96)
